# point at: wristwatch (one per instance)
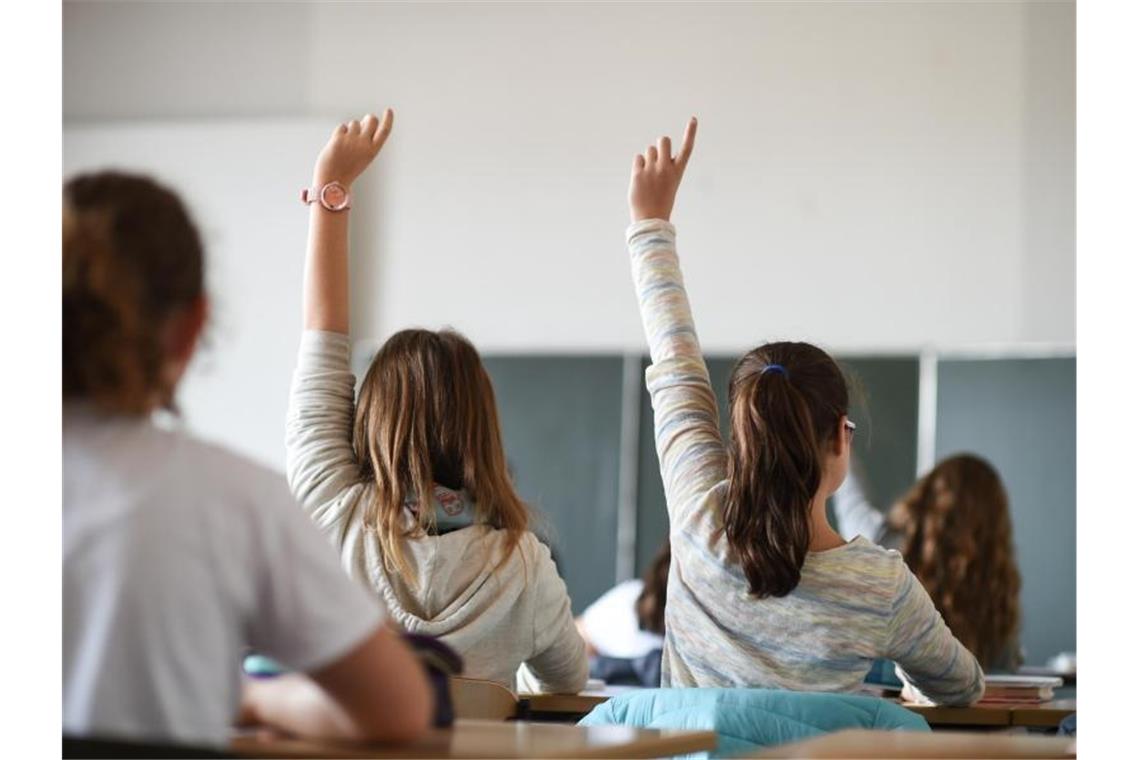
(332, 196)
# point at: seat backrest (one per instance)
(486, 700)
(746, 720)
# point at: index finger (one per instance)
(687, 143)
(384, 129)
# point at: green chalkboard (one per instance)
(884, 404)
(561, 419)
(1020, 414)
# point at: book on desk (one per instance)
(1019, 689)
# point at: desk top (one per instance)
(480, 739)
(1045, 714)
(855, 743)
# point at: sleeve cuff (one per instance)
(324, 350)
(659, 226)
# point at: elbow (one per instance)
(971, 693)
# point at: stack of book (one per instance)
(1019, 689)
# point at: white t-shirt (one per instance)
(177, 555)
(611, 626)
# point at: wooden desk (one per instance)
(1044, 715)
(856, 743)
(481, 739)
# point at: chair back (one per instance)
(485, 700)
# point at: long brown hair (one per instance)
(958, 541)
(786, 401)
(650, 606)
(132, 258)
(426, 414)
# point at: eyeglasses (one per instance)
(849, 426)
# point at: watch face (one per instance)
(333, 196)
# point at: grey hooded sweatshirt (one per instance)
(497, 615)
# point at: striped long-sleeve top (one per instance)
(853, 604)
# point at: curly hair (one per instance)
(132, 258)
(958, 541)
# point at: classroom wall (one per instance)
(880, 178)
(918, 154)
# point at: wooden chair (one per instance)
(485, 700)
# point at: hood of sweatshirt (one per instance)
(459, 573)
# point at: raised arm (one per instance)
(854, 515)
(347, 154)
(689, 446)
(320, 463)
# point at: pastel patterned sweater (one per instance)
(853, 604)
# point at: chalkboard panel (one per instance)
(1020, 414)
(885, 407)
(561, 419)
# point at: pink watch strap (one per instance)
(317, 195)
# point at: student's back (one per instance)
(178, 555)
(853, 604)
(762, 591)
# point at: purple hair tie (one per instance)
(775, 368)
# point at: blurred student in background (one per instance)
(178, 554)
(625, 628)
(954, 530)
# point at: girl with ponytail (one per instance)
(762, 591)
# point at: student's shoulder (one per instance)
(209, 468)
(865, 560)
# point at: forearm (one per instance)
(326, 271)
(661, 297)
(294, 703)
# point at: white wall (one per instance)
(868, 175)
(238, 181)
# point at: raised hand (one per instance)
(351, 149)
(657, 175)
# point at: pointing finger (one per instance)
(687, 143)
(385, 129)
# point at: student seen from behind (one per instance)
(408, 478)
(762, 592)
(178, 554)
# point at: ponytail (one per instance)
(131, 259)
(786, 400)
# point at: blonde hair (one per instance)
(426, 414)
(958, 541)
